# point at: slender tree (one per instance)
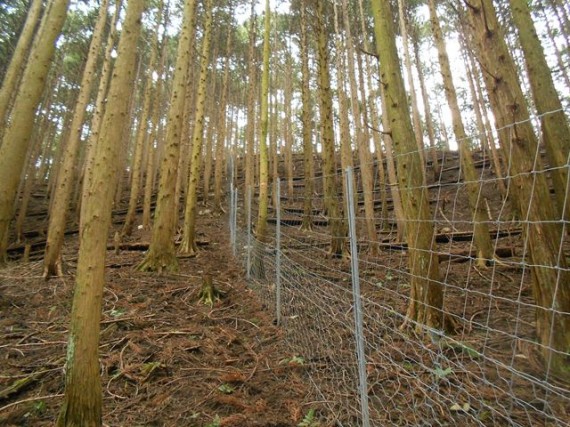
(152, 146)
(426, 300)
(13, 73)
(161, 255)
(17, 136)
(346, 148)
(306, 123)
(65, 178)
(223, 126)
(553, 120)
(96, 120)
(416, 119)
(551, 278)
(362, 137)
(250, 127)
(481, 235)
(258, 269)
(142, 131)
(327, 135)
(82, 404)
(188, 245)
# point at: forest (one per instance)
(278, 213)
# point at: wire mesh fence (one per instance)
(345, 318)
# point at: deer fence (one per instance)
(345, 321)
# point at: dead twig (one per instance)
(30, 399)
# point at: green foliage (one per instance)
(309, 420)
(40, 407)
(149, 367)
(442, 373)
(226, 388)
(295, 360)
(117, 312)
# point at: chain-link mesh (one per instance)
(488, 369)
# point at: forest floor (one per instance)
(166, 358)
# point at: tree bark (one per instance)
(188, 244)
(223, 133)
(16, 139)
(416, 120)
(551, 279)
(68, 171)
(161, 255)
(82, 404)
(13, 73)
(142, 134)
(327, 136)
(364, 156)
(426, 301)
(306, 123)
(553, 120)
(481, 234)
(258, 269)
(251, 95)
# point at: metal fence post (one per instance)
(248, 205)
(231, 219)
(278, 253)
(359, 334)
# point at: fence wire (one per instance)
(488, 371)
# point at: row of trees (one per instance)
(169, 107)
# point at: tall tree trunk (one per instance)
(222, 134)
(274, 127)
(251, 95)
(13, 73)
(188, 244)
(161, 255)
(426, 301)
(188, 123)
(328, 170)
(484, 141)
(152, 146)
(306, 123)
(416, 119)
(551, 279)
(346, 157)
(16, 139)
(496, 154)
(258, 268)
(210, 134)
(481, 235)
(142, 132)
(371, 113)
(364, 156)
(68, 171)
(552, 35)
(106, 70)
(82, 403)
(427, 109)
(391, 166)
(288, 132)
(554, 124)
(47, 132)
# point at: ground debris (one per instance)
(164, 356)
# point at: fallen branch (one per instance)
(30, 399)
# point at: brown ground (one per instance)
(166, 358)
(169, 360)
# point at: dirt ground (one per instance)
(166, 358)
